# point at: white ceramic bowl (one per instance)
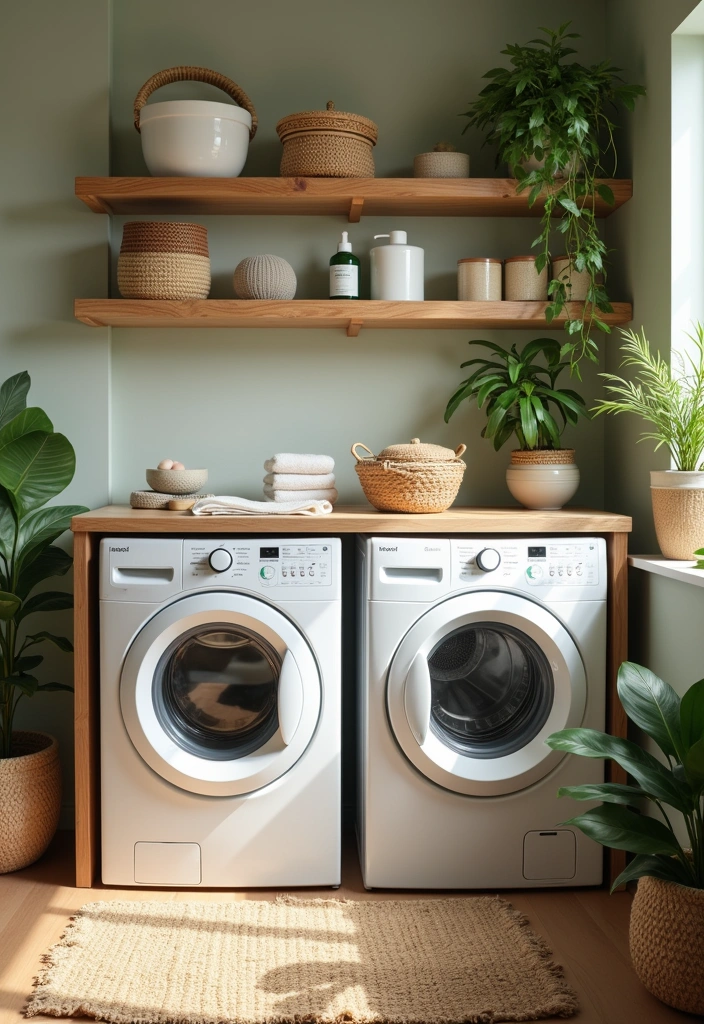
(194, 138)
(177, 481)
(543, 486)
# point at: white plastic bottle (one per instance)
(397, 269)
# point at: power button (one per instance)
(267, 572)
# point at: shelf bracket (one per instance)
(355, 213)
(354, 327)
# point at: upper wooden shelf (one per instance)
(354, 519)
(350, 197)
(325, 313)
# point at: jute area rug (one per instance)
(442, 961)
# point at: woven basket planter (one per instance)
(543, 478)
(163, 261)
(441, 165)
(393, 482)
(30, 799)
(678, 512)
(667, 942)
(327, 144)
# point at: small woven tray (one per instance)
(154, 499)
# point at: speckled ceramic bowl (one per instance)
(177, 481)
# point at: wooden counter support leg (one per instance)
(86, 723)
(617, 651)
(353, 328)
(355, 214)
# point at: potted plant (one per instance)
(521, 395)
(671, 398)
(550, 119)
(667, 916)
(36, 464)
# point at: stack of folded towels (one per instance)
(293, 477)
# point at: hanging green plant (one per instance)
(549, 120)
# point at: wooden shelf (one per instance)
(325, 313)
(350, 197)
(354, 519)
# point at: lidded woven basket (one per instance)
(163, 261)
(411, 477)
(327, 144)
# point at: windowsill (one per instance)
(683, 571)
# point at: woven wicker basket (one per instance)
(411, 477)
(327, 144)
(163, 261)
(30, 799)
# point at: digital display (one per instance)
(537, 552)
(268, 552)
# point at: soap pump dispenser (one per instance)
(397, 269)
(344, 271)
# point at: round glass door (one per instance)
(215, 691)
(476, 686)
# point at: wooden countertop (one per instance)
(354, 519)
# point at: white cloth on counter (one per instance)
(299, 481)
(222, 505)
(292, 462)
(321, 494)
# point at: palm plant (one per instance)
(673, 402)
(554, 116)
(36, 464)
(520, 394)
(677, 726)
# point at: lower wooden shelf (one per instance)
(352, 315)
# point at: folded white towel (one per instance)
(223, 505)
(299, 481)
(292, 462)
(309, 494)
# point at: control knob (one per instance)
(220, 560)
(488, 560)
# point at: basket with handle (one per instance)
(411, 477)
(189, 73)
(327, 144)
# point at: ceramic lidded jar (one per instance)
(411, 477)
(479, 279)
(522, 283)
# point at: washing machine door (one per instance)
(220, 694)
(476, 686)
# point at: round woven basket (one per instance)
(667, 942)
(30, 799)
(678, 514)
(163, 261)
(411, 477)
(543, 457)
(327, 144)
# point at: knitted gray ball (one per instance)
(264, 277)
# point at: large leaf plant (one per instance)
(521, 394)
(677, 726)
(554, 116)
(36, 464)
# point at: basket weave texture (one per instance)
(543, 457)
(327, 144)
(163, 261)
(667, 942)
(265, 277)
(678, 513)
(429, 484)
(30, 799)
(189, 73)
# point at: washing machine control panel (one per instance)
(258, 564)
(537, 563)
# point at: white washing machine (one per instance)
(220, 711)
(474, 650)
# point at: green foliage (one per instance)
(677, 726)
(36, 464)
(557, 113)
(519, 393)
(700, 559)
(672, 400)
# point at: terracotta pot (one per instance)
(30, 799)
(678, 512)
(543, 478)
(667, 942)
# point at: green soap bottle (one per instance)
(344, 271)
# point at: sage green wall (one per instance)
(54, 61)
(229, 399)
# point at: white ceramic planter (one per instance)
(194, 138)
(678, 512)
(545, 487)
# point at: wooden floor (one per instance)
(587, 929)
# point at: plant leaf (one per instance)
(670, 869)
(60, 641)
(52, 561)
(8, 524)
(43, 527)
(27, 684)
(623, 829)
(609, 792)
(45, 601)
(9, 603)
(35, 467)
(694, 763)
(692, 715)
(13, 396)
(28, 662)
(51, 687)
(653, 705)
